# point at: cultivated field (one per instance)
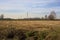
(48, 30)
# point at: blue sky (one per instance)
(35, 8)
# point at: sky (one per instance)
(34, 8)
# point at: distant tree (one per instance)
(1, 16)
(45, 16)
(42, 18)
(52, 15)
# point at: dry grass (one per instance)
(32, 25)
(52, 28)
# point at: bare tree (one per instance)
(52, 15)
(45, 16)
(1, 16)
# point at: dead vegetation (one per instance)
(29, 30)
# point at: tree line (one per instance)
(51, 16)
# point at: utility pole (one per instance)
(27, 14)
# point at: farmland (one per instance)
(30, 26)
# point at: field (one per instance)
(32, 25)
(48, 30)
